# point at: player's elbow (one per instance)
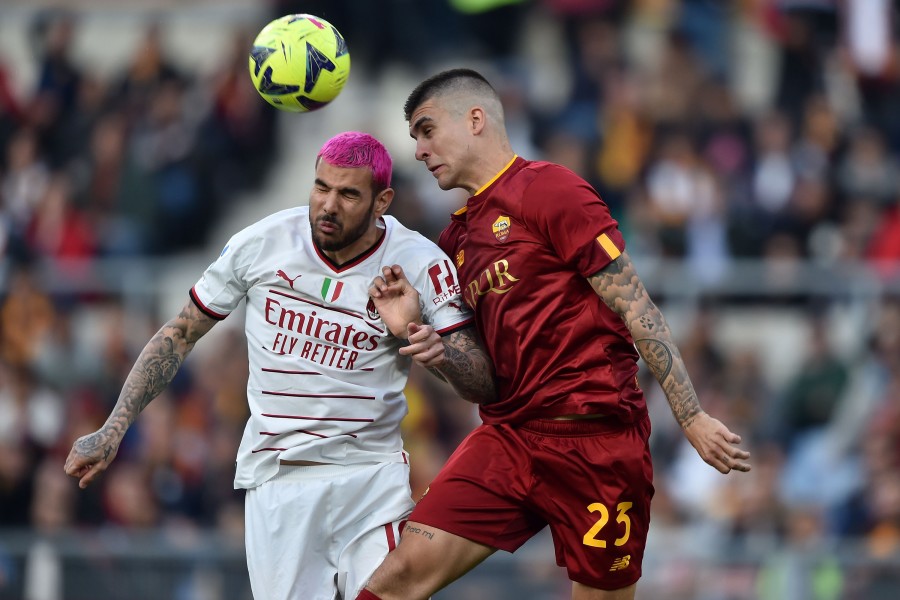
(481, 390)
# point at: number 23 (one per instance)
(590, 538)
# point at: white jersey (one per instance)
(326, 379)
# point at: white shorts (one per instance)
(319, 532)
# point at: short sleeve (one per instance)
(573, 219)
(223, 284)
(440, 295)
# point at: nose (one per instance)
(422, 152)
(329, 202)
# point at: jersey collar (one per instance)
(462, 211)
(497, 176)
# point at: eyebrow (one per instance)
(348, 191)
(418, 125)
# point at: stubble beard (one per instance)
(344, 239)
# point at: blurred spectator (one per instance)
(57, 229)
(772, 180)
(148, 72)
(687, 203)
(25, 180)
(53, 504)
(867, 171)
(811, 397)
(128, 498)
(10, 111)
(26, 316)
(57, 84)
(30, 413)
(802, 61)
(807, 566)
(235, 141)
(869, 53)
(884, 247)
(626, 139)
(16, 476)
(163, 146)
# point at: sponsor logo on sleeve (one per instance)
(443, 280)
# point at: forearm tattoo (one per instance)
(467, 367)
(154, 369)
(622, 290)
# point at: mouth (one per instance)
(327, 227)
(434, 170)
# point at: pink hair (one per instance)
(353, 149)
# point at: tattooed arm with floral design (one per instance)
(622, 290)
(152, 372)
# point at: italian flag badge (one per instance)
(331, 289)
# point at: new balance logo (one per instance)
(621, 563)
(283, 275)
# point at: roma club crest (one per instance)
(501, 228)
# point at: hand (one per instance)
(426, 346)
(90, 456)
(716, 444)
(396, 300)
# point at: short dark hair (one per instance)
(442, 82)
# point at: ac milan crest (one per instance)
(372, 311)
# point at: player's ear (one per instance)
(476, 120)
(383, 201)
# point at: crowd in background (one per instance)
(695, 164)
(133, 165)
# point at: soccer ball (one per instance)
(299, 63)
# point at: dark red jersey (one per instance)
(524, 245)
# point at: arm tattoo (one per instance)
(434, 371)
(152, 372)
(622, 290)
(467, 367)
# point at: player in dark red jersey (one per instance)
(566, 444)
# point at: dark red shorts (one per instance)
(591, 481)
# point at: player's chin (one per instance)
(329, 243)
(445, 182)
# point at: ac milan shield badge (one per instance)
(372, 311)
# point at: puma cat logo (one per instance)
(283, 275)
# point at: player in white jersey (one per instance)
(321, 457)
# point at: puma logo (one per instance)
(455, 305)
(283, 275)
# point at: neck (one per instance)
(348, 253)
(487, 168)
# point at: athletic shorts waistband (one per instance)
(576, 427)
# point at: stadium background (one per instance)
(750, 150)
